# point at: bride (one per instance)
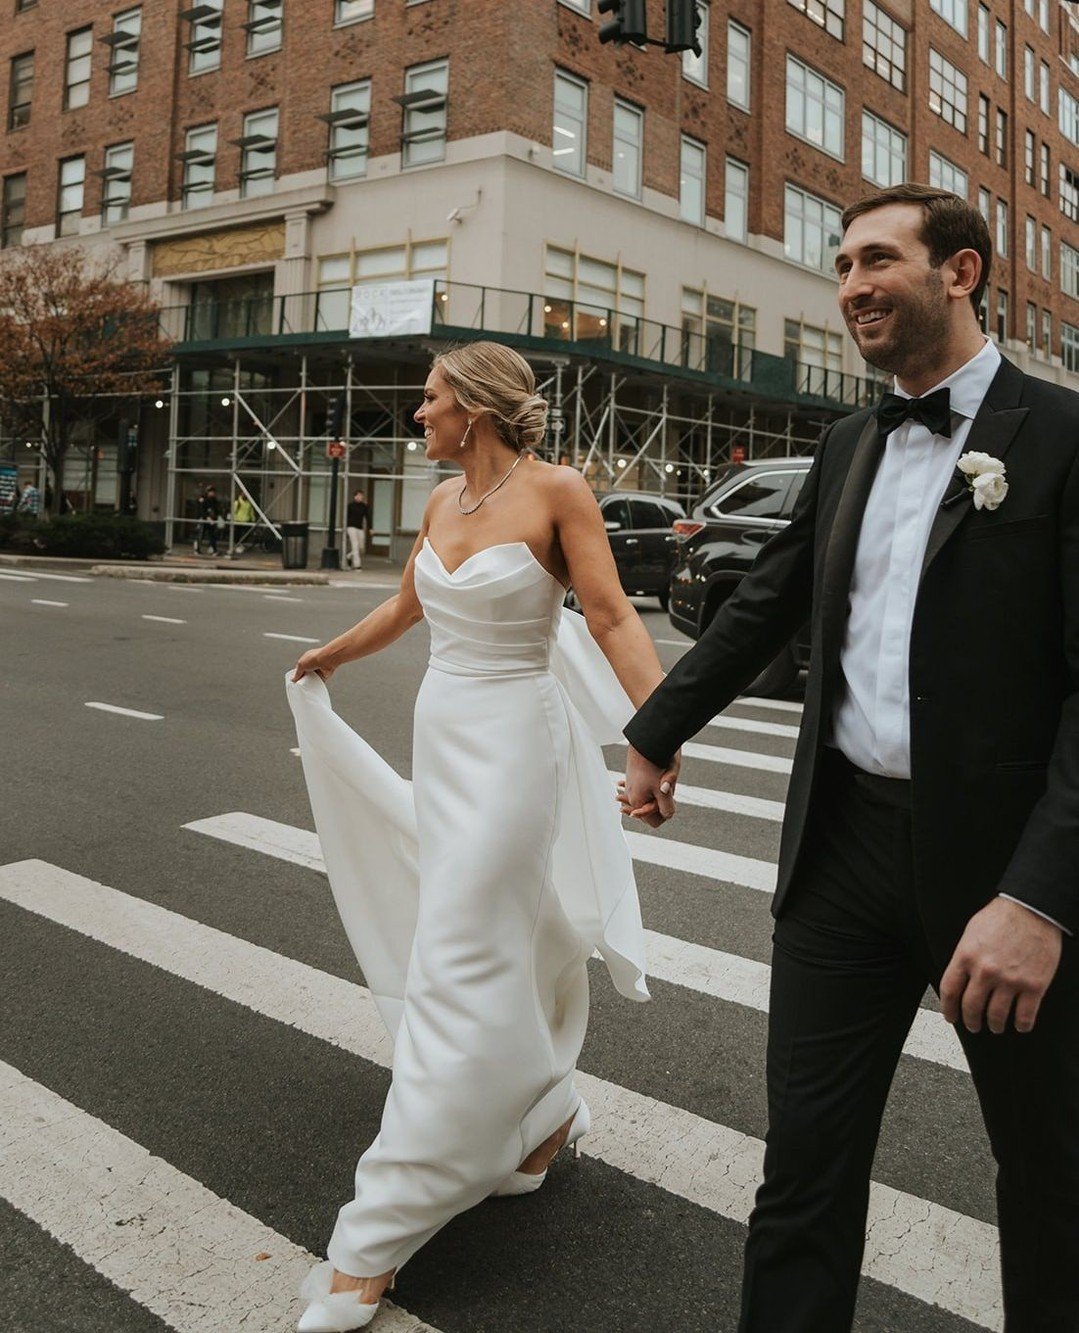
(474, 900)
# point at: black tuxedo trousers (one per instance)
(877, 882)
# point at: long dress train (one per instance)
(474, 897)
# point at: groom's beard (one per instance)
(918, 332)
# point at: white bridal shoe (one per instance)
(336, 1312)
(523, 1182)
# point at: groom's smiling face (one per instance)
(892, 298)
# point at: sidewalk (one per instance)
(180, 568)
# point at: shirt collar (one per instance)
(969, 384)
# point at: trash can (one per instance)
(294, 545)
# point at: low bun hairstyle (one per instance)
(489, 377)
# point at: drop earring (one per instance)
(464, 437)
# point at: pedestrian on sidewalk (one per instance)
(30, 500)
(209, 513)
(356, 523)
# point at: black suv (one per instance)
(641, 532)
(718, 542)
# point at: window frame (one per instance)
(110, 175)
(564, 79)
(7, 228)
(635, 114)
(742, 60)
(742, 237)
(950, 79)
(124, 45)
(195, 158)
(20, 112)
(874, 17)
(826, 209)
(258, 26)
(255, 144)
(893, 133)
(73, 59)
(63, 228)
(807, 95)
(688, 142)
(343, 120)
(415, 138)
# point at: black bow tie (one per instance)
(934, 411)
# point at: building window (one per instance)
(200, 159)
(1069, 116)
(13, 210)
(586, 295)
(945, 175)
(985, 205)
(1031, 237)
(628, 140)
(337, 274)
(1000, 48)
(351, 11)
(1032, 326)
(984, 25)
(1047, 333)
(116, 182)
(884, 45)
(1002, 314)
(736, 200)
(570, 121)
(20, 90)
(691, 182)
(1002, 227)
(983, 124)
(264, 26)
(1002, 138)
(1069, 193)
(1045, 174)
(811, 230)
(1047, 253)
(715, 331)
(884, 151)
(947, 91)
(1069, 346)
(828, 13)
(77, 68)
(258, 153)
(1043, 87)
(1028, 73)
(814, 108)
(423, 137)
(738, 55)
(983, 311)
(70, 197)
(1029, 156)
(1069, 270)
(818, 353)
(204, 44)
(953, 12)
(350, 109)
(695, 67)
(123, 44)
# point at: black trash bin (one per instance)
(294, 545)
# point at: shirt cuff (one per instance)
(1044, 915)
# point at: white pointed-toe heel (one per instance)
(524, 1182)
(332, 1312)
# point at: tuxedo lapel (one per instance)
(992, 433)
(843, 538)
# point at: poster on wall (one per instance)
(8, 474)
(388, 309)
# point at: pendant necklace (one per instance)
(497, 486)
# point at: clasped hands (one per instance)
(647, 790)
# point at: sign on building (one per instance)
(8, 475)
(386, 309)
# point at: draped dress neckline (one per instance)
(495, 546)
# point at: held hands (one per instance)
(311, 663)
(1007, 955)
(647, 791)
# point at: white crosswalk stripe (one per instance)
(708, 1164)
(732, 802)
(719, 754)
(781, 705)
(752, 725)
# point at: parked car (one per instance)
(718, 543)
(640, 528)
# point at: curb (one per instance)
(178, 574)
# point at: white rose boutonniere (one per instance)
(985, 479)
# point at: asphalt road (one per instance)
(114, 1049)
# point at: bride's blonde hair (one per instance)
(489, 377)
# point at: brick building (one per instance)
(655, 232)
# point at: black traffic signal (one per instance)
(629, 24)
(335, 417)
(683, 20)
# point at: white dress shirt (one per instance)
(871, 721)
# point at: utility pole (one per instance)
(335, 451)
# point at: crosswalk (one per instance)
(152, 1225)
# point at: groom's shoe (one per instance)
(526, 1182)
(332, 1312)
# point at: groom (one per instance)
(932, 824)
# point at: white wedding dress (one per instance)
(474, 898)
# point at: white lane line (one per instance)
(728, 801)
(18, 578)
(362, 587)
(675, 643)
(177, 587)
(295, 750)
(291, 638)
(127, 712)
(280, 597)
(55, 578)
(44, 601)
(720, 754)
(166, 620)
(930, 1252)
(197, 1261)
(781, 705)
(694, 966)
(751, 724)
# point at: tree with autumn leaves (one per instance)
(74, 339)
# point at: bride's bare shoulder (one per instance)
(560, 482)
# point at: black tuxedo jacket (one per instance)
(994, 658)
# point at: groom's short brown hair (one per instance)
(949, 224)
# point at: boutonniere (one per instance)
(985, 479)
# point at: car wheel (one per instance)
(778, 678)
(664, 599)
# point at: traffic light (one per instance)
(629, 24)
(335, 416)
(683, 20)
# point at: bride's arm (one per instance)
(612, 620)
(387, 622)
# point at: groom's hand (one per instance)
(647, 791)
(1007, 956)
